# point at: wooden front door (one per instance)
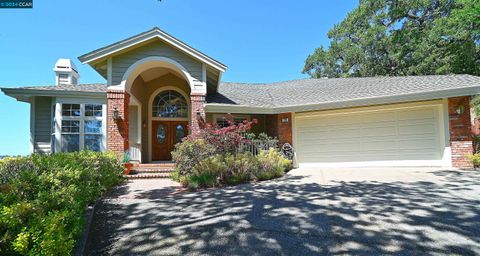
(165, 134)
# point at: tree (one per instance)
(225, 139)
(402, 37)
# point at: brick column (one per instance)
(285, 128)
(460, 131)
(197, 106)
(280, 126)
(117, 129)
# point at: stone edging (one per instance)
(81, 243)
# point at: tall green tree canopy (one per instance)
(402, 37)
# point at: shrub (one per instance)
(230, 169)
(475, 158)
(43, 199)
(272, 164)
(227, 168)
(226, 139)
(223, 156)
(256, 143)
(189, 153)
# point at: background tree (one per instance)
(402, 37)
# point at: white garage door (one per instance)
(394, 135)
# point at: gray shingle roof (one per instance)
(69, 88)
(319, 91)
(304, 94)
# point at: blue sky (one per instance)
(259, 41)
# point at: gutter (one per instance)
(26, 93)
(236, 109)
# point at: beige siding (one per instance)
(122, 62)
(43, 123)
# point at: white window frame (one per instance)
(217, 117)
(91, 118)
(82, 118)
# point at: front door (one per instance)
(165, 134)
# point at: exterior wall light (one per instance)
(460, 109)
(285, 120)
(116, 114)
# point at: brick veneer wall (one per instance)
(271, 125)
(460, 132)
(117, 130)
(197, 105)
(276, 128)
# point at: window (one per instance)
(93, 110)
(93, 135)
(70, 109)
(70, 135)
(161, 134)
(81, 127)
(222, 121)
(170, 104)
(179, 133)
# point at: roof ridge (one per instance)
(265, 83)
(346, 78)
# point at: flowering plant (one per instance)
(226, 139)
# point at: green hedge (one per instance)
(43, 199)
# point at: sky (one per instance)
(259, 41)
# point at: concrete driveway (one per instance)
(364, 211)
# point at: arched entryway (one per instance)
(160, 105)
(169, 112)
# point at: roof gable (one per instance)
(154, 33)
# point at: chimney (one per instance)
(65, 72)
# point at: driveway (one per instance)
(363, 211)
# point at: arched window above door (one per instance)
(169, 104)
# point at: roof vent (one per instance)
(65, 72)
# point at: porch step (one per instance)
(155, 165)
(132, 176)
(151, 171)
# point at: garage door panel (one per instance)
(417, 129)
(418, 145)
(336, 147)
(325, 122)
(350, 156)
(348, 133)
(418, 114)
(323, 127)
(319, 142)
(394, 134)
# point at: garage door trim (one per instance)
(441, 123)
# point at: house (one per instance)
(158, 87)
